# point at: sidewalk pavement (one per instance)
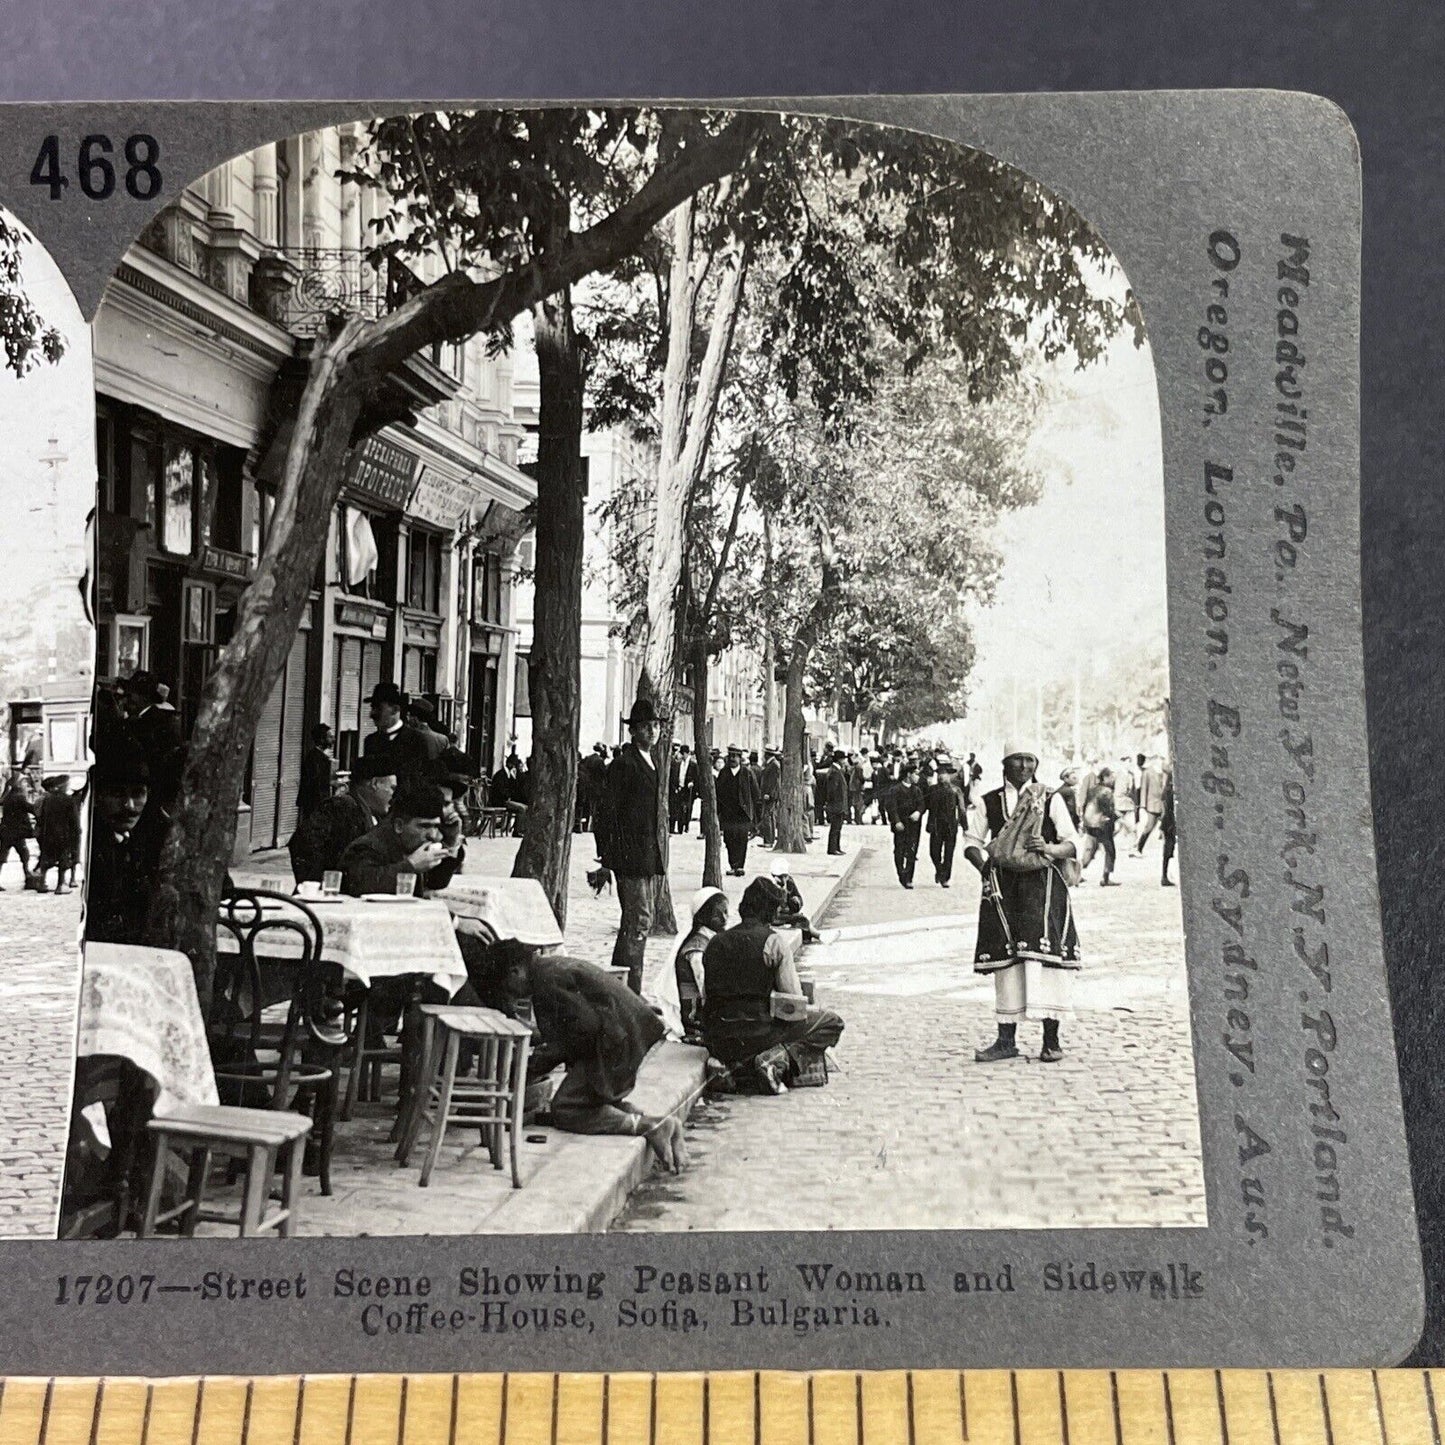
(572, 1183)
(39, 987)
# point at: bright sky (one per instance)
(1084, 568)
(51, 401)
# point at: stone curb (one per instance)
(855, 856)
(587, 1180)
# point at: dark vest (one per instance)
(734, 967)
(994, 815)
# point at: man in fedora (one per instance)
(393, 740)
(737, 809)
(627, 836)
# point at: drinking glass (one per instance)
(331, 882)
(406, 885)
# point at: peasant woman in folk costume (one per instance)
(1023, 842)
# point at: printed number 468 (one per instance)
(96, 171)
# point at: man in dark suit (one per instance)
(421, 719)
(325, 833)
(945, 807)
(125, 848)
(905, 817)
(590, 772)
(833, 783)
(737, 809)
(316, 772)
(158, 732)
(404, 747)
(628, 845)
(674, 787)
(686, 791)
(770, 789)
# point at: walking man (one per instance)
(737, 808)
(835, 803)
(944, 805)
(905, 815)
(627, 841)
(1151, 801)
(1026, 935)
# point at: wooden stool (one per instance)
(493, 1100)
(363, 1081)
(256, 1135)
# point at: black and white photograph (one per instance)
(47, 647)
(631, 694)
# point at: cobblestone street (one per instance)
(912, 1133)
(39, 978)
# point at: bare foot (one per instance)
(665, 1139)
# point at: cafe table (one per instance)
(140, 1004)
(512, 908)
(371, 939)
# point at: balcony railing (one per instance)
(323, 282)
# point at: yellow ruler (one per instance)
(920, 1407)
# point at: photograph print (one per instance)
(631, 693)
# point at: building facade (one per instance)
(201, 348)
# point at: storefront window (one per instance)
(224, 484)
(145, 476)
(419, 671)
(130, 647)
(179, 535)
(487, 587)
(424, 571)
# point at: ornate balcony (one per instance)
(300, 290)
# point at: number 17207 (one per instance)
(104, 1289)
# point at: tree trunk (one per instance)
(686, 434)
(706, 782)
(555, 671)
(345, 373)
(198, 847)
(793, 819)
(793, 807)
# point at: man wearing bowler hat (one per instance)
(393, 740)
(628, 845)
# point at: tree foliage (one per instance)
(29, 339)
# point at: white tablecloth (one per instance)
(510, 907)
(140, 1004)
(375, 940)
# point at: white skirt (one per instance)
(1033, 991)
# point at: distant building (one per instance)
(207, 322)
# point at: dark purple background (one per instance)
(1383, 62)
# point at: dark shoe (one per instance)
(908, 885)
(62, 888)
(943, 883)
(1051, 1055)
(1166, 882)
(41, 886)
(995, 1053)
(1107, 883)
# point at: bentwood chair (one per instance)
(261, 1054)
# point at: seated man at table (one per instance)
(326, 832)
(589, 1022)
(743, 967)
(415, 837)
